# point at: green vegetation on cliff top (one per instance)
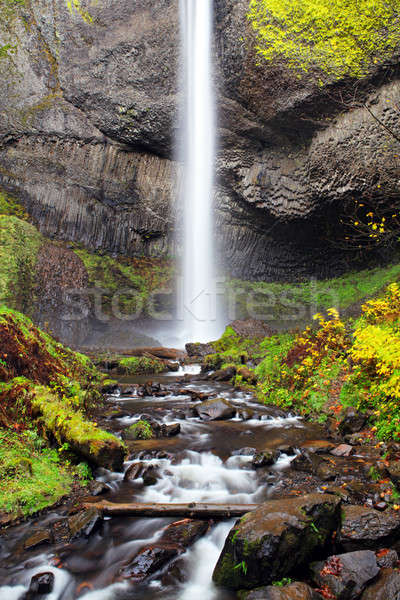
(332, 38)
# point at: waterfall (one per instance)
(198, 124)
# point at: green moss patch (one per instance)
(69, 425)
(32, 476)
(20, 244)
(132, 279)
(141, 430)
(332, 38)
(140, 365)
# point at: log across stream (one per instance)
(201, 481)
(192, 510)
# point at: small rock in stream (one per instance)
(41, 584)
(266, 458)
(176, 538)
(134, 471)
(244, 452)
(98, 488)
(38, 537)
(150, 475)
(215, 410)
(170, 430)
(343, 450)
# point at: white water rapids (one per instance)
(194, 474)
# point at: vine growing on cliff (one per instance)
(335, 38)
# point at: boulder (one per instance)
(386, 587)
(275, 539)
(293, 591)
(134, 471)
(343, 450)
(98, 488)
(366, 528)
(41, 584)
(393, 470)
(387, 558)
(244, 452)
(265, 458)
(170, 430)
(224, 374)
(247, 375)
(352, 422)
(346, 575)
(173, 542)
(215, 410)
(197, 349)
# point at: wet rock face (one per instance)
(386, 587)
(89, 122)
(366, 528)
(346, 575)
(294, 591)
(276, 538)
(62, 304)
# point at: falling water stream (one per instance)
(200, 299)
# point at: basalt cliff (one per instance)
(89, 102)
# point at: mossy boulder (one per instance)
(141, 430)
(278, 537)
(68, 425)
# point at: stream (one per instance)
(198, 465)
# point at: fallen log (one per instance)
(193, 510)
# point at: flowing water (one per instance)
(199, 293)
(198, 465)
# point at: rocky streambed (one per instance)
(326, 525)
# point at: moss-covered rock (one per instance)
(140, 365)
(278, 537)
(142, 430)
(69, 425)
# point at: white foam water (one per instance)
(198, 124)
